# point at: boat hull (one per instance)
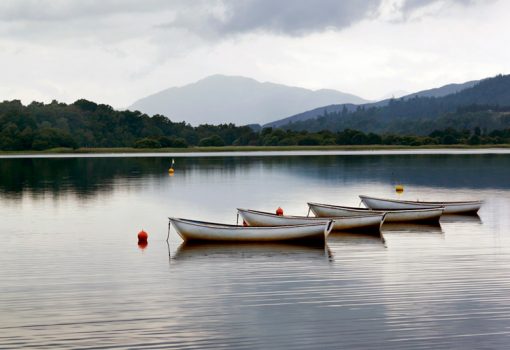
(427, 215)
(467, 207)
(191, 230)
(365, 222)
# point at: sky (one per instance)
(117, 51)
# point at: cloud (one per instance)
(290, 17)
(294, 17)
(115, 51)
(215, 18)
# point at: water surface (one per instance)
(72, 275)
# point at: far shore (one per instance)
(229, 149)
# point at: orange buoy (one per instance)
(279, 211)
(142, 245)
(142, 237)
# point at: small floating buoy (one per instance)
(399, 188)
(171, 170)
(142, 245)
(279, 211)
(142, 237)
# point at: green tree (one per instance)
(213, 140)
(147, 143)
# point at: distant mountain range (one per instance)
(222, 99)
(232, 99)
(317, 112)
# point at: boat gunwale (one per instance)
(326, 223)
(443, 204)
(414, 210)
(313, 218)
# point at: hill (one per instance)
(335, 108)
(419, 114)
(230, 99)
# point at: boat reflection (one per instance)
(219, 250)
(411, 228)
(475, 219)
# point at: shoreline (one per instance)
(85, 150)
(257, 151)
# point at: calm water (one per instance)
(72, 275)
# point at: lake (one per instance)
(73, 276)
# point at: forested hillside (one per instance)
(318, 112)
(484, 105)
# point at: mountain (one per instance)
(484, 104)
(317, 112)
(232, 99)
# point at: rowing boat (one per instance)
(365, 222)
(465, 207)
(429, 215)
(192, 230)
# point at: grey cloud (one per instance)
(289, 17)
(293, 17)
(209, 18)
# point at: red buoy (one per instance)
(142, 237)
(279, 211)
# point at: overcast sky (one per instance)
(116, 51)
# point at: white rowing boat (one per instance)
(365, 222)
(465, 207)
(428, 215)
(192, 230)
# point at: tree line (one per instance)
(83, 123)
